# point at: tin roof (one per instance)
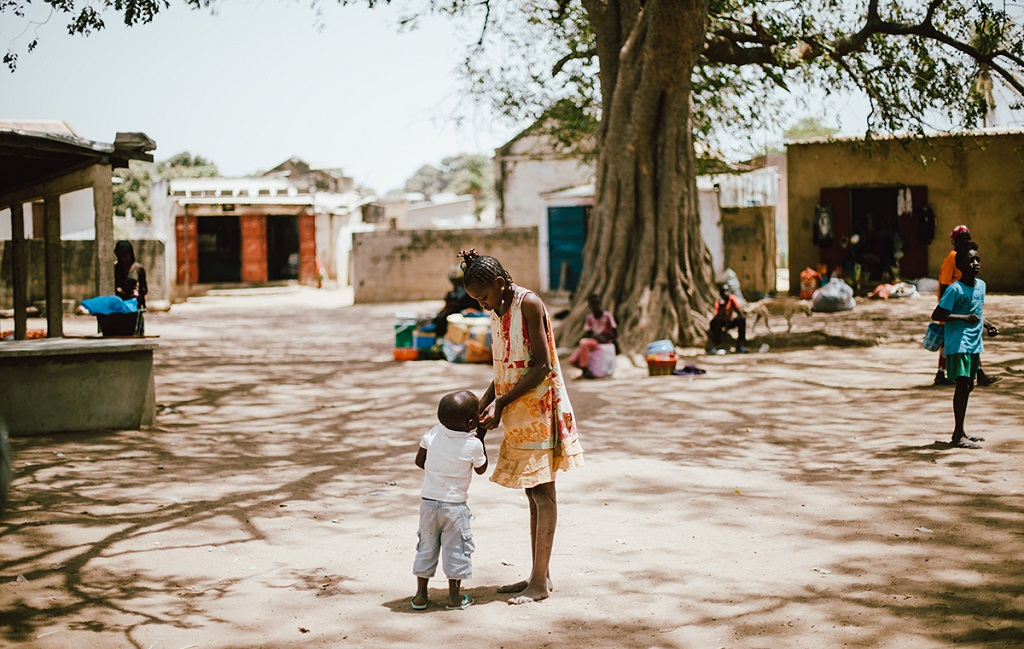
(31, 150)
(980, 132)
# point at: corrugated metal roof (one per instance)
(981, 132)
(53, 130)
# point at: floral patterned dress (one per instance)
(540, 428)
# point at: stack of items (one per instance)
(405, 325)
(415, 338)
(661, 358)
(468, 339)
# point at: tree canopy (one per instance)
(465, 173)
(648, 79)
(131, 190)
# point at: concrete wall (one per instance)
(407, 265)
(61, 385)
(976, 179)
(79, 276)
(749, 236)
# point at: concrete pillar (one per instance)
(103, 208)
(19, 270)
(54, 267)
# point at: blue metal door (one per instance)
(567, 228)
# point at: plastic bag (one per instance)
(728, 277)
(834, 296)
(934, 337)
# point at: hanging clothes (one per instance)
(904, 202)
(823, 226)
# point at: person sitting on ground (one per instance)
(962, 310)
(448, 454)
(728, 315)
(598, 329)
(949, 273)
(455, 301)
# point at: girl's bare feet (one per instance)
(521, 586)
(529, 595)
(517, 587)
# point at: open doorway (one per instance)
(878, 241)
(219, 240)
(875, 234)
(282, 247)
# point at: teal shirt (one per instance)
(960, 299)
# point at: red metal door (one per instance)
(254, 248)
(187, 255)
(307, 248)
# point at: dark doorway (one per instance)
(282, 247)
(219, 240)
(878, 230)
(874, 227)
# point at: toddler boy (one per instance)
(448, 454)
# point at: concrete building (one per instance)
(277, 227)
(890, 205)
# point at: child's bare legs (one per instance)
(420, 598)
(454, 596)
(543, 519)
(964, 385)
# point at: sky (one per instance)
(258, 83)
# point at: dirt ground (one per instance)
(802, 497)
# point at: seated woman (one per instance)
(455, 301)
(596, 352)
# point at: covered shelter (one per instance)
(64, 384)
(41, 161)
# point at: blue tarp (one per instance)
(107, 304)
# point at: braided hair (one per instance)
(481, 270)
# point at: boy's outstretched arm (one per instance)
(943, 315)
(421, 457)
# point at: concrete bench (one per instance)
(77, 384)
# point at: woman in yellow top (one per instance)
(528, 397)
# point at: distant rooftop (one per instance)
(980, 132)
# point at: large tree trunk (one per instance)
(644, 254)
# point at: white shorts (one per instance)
(444, 530)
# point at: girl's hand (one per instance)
(992, 330)
(491, 415)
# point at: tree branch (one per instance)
(572, 56)
(486, 22)
(733, 48)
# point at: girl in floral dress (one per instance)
(529, 399)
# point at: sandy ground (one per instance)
(803, 497)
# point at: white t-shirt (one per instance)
(451, 458)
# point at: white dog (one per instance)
(784, 307)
